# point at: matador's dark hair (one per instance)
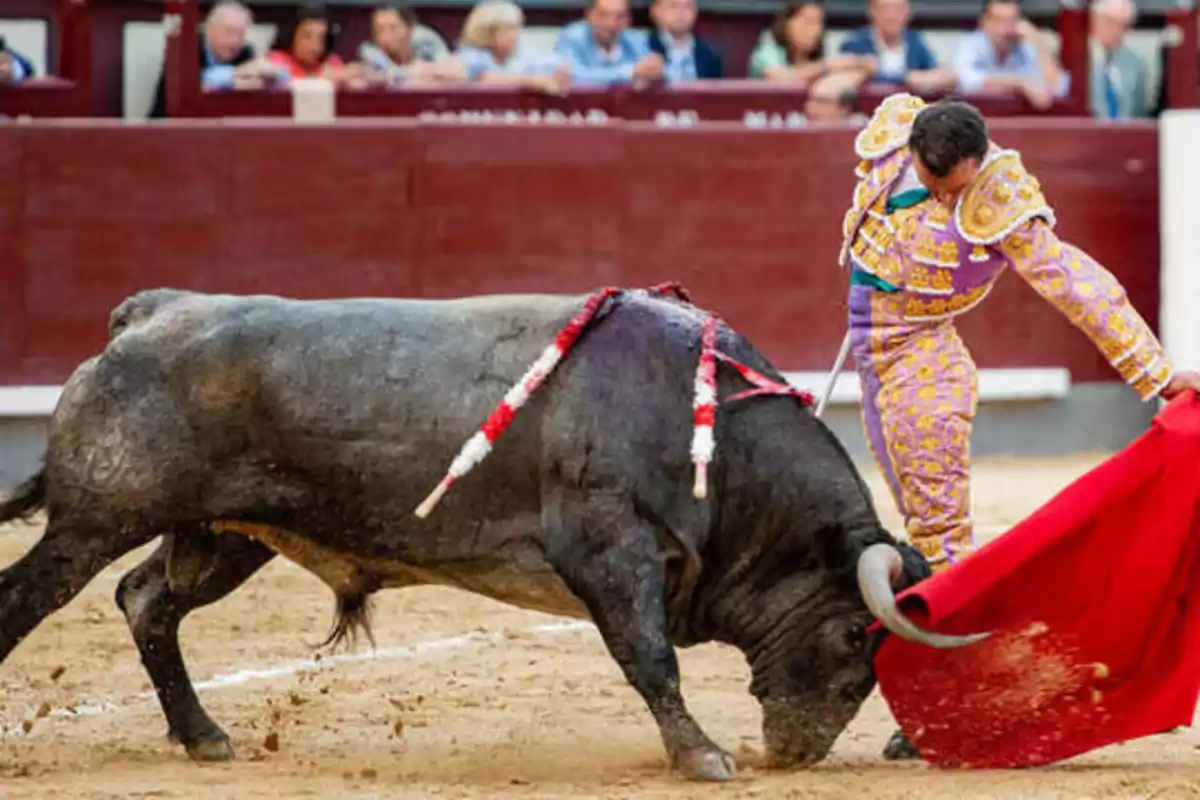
(946, 133)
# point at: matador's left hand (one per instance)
(1180, 383)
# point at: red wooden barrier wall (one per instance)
(748, 220)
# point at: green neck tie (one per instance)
(906, 199)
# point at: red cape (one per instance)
(1094, 602)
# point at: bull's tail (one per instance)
(25, 500)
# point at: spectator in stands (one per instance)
(404, 50)
(13, 66)
(1008, 53)
(686, 57)
(792, 50)
(902, 55)
(304, 47)
(226, 58)
(828, 101)
(601, 50)
(490, 51)
(1119, 77)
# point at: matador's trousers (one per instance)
(919, 396)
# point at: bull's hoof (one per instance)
(706, 765)
(210, 750)
(899, 748)
(789, 761)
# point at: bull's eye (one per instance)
(856, 637)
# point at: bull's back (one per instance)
(396, 369)
(361, 396)
(332, 366)
(355, 405)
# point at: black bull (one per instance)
(238, 428)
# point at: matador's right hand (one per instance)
(1180, 382)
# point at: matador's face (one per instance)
(946, 189)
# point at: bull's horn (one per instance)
(878, 567)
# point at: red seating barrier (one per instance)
(756, 103)
(749, 220)
(41, 97)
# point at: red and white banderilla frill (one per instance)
(704, 403)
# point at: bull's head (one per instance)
(831, 672)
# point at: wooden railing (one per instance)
(1183, 58)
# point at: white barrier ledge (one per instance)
(28, 401)
(1051, 383)
(995, 385)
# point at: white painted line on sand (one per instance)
(286, 668)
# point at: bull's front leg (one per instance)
(609, 559)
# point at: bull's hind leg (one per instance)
(46, 578)
(610, 559)
(190, 569)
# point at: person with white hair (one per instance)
(227, 59)
(491, 52)
(1119, 76)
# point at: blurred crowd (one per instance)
(1004, 52)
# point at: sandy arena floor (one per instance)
(515, 704)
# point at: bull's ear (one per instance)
(916, 568)
(843, 552)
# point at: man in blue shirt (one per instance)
(902, 55)
(1008, 52)
(602, 51)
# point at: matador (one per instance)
(939, 212)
